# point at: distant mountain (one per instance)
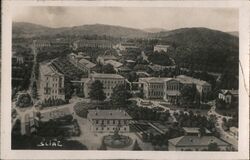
(154, 30)
(203, 49)
(95, 29)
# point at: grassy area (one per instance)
(194, 110)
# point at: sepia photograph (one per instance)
(125, 78)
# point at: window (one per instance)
(97, 128)
(108, 128)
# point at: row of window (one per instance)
(173, 87)
(111, 82)
(50, 91)
(111, 121)
(155, 93)
(114, 128)
(156, 86)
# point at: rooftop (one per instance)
(108, 114)
(188, 80)
(162, 45)
(87, 63)
(103, 75)
(49, 69)
(233, 92)
(114, 63)
(197, 141)
(194, 130)
(155, 79)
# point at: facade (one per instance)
(51, 82)
(161, 48)
(169, 88)
(41, 43)
(202, 87)
(126, 46)
(196, 143)
(92, 44)
(108, 120)
(109, 82)
(229, 96)
(172, 90)
(153, 87)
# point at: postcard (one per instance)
(125, 80)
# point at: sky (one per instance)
(224, 19)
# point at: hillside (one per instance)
(95, 29)
(204, 49)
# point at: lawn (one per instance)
(194, 110)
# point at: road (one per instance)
(224, 135)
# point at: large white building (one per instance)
(169, 88)
(161, 48)
(92, 43)
(109, 82)
(51, 82)
(125, 46)
(153, 87)
(108, 120)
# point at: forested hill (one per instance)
(204, 49)
(22, 28)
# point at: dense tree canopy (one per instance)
(96, 91)
(120, 95)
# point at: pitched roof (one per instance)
(103, 75)
(194, 130)
(154, 79)
(197, 141)
(49, 69)
(108, 114)
(114, 63)
(87, 63)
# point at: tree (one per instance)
(136, 146)
(108, 68)
(213, 147)
(24, 100)
(120, 95)
(69, 90)
(188, 93)
(96, 91)
(34, 90)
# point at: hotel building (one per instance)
(109, 82)
(51, 82)
(108, 120)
